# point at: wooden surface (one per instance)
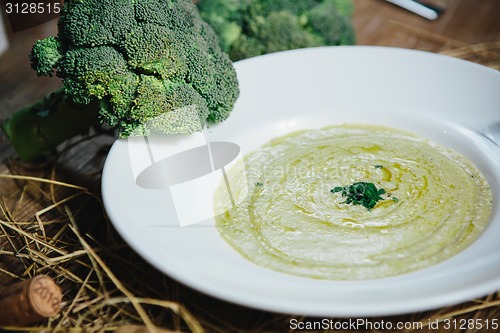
(464, 23)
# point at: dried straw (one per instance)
(96, 299)
(487, 54)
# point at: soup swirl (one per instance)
(294, 218)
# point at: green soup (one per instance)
(288, 219)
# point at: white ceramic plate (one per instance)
(453, 102)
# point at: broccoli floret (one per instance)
(281, 31)
(188, 108)
(225, 18)
(246, 47)
(45, 55)
(254, 27)
(343, 7)
(333, 27)
(92, 23)
(89, 73)
(143, 64)
(266, 7)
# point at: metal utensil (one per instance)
(427, 11)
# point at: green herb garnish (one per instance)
(378, 166)
(360, 193)
(259, 184)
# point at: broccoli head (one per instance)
(254, 27)
(140, 59)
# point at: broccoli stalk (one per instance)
(137, 66)
(40, 127)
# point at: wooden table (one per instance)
(465, 23)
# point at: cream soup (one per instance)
(434, 202)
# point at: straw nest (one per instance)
(52, 222)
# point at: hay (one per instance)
(487, 54)
(48, 239)
(51, 226)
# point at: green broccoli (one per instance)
(253, 27)
(136, 65)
